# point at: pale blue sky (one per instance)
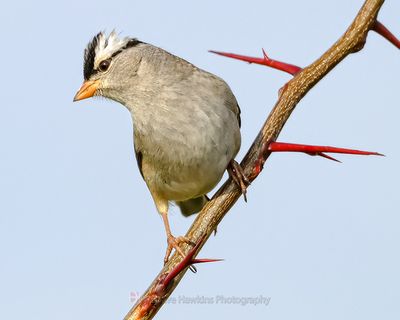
(78, 229)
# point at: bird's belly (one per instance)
(193, 179)
(186, 156)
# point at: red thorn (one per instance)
(186, 262)
(316, 150)
(240, 57)
(205, 260)
(266, 61)
(380, 29)
(286, 67)
(164, 280)
(323, 155)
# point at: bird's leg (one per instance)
(173, 242)
(237, 174)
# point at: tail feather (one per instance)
(192, 206)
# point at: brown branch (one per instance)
(214, 211)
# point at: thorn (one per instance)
(186, 262)
(293, 147)
(154, 297)
(239, 57)
(215, 231)
(266, 58)
(380, 29)
(286, 67)
(266, 61)
(316, 150)
(323, 155)
(193, 269)
(206, 260)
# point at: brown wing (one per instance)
(238, 115)
(231, 102)
(139, 160)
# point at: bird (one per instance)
(186, 121)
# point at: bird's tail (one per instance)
(192, 206)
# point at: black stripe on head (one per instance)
(89, 56)
(131, 43)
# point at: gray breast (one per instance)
(188, 130)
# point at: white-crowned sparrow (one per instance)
(186, 120)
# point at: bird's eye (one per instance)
(104, 65)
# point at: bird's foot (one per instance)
(174, 243)
(237, 174)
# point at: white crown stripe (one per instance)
(106, 46)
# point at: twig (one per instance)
(214, 211)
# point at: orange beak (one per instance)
(87, 90)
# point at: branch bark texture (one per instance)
(208, 219)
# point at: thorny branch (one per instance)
(208, 219)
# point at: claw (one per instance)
(173, 243)
(186, 262)
(263, 155)
(237, 174)
(380, 29)
(266, 61)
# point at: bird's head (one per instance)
(110, 64)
